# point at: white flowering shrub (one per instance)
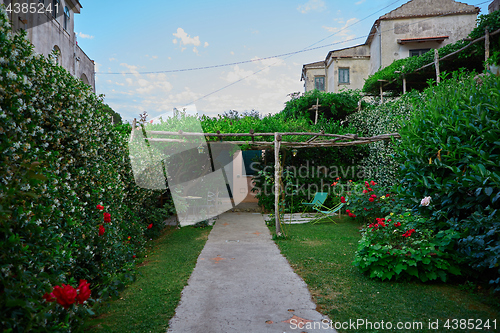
(377, 119)
(69, 206)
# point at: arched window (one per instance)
(66, 18)
(58, 55)
(56, 4)
(84, 79)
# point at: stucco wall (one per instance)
(310, 74)
(454, 26)
(358, 72)
(48, 32)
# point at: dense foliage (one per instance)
(72, 219)
(376, 119)
(450, 152)
(335, 106)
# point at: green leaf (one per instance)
(488, 191)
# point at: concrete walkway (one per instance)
(242, 283)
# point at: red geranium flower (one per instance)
(408, 233)
(373, 196)
(107, 217)
(100, 207)
(150, 226)
(101, 230)
(365, 191)
(371, 199)
(387, 195)
(342, 199)
(49, 297)
(83, 291)
(347, 211)
(370, 190)
(373, 183)
(65, 295)
(397, 224)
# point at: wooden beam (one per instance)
(486, 47)
(277, 176)
(436, 64)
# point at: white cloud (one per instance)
(359, 2)
(112, 59)
(206, 44)
(154, 57)
(132, 69)
(232, 53)
(343, 32)
(85, 36)
(317, 5)
(174, 41)
(185, 39)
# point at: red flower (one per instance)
(83, 291)
(342, 199)
(370, 189)
(101, 230)
(100, 207)
(49, 297)
(408, 233)
(365, 209)
(382, 224)
(133, 256)
(371, 199)
(397, 224)
(150, 226)
(367, 184)
(365, 191)
(107, 217)
(387, 195)
(373, 196)
(338, 178)
(373, 183)
(334, 183)
(65, 295)
(389, 220)
(352, 215)
(347, 211)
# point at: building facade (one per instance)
(55, 31)
(410, 30)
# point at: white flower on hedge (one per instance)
(425, 201)
(26, 187)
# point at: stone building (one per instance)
(494, 6)
(54, 30)
(410, 30)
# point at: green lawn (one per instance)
(322, 255)
(148, 304)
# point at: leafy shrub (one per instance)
(396, 247)
(334, 106)
(61, 158)
(376, 119)
(368, 200)
(450, 152)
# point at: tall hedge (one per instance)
(450, 151)
(60, 159)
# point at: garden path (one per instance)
(242, 283)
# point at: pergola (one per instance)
(316, 140)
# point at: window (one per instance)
(66, 18)
(419, 52)
(319, 83)
(58, 56)
(343, 75)
(55, 7)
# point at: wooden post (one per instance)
(381, 94)
(277, 176)
(404, 81)
(317, 107)
(436, 64)
(486, 46)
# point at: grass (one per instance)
(148, 304)
(322, 255)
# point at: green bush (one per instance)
(398, 247)
(368, 200)
(376, 119)
(61, 158)
(450, 152)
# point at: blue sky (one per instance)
(165, 35)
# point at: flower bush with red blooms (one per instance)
(399, 246)
(368, 200)
(66, 295)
